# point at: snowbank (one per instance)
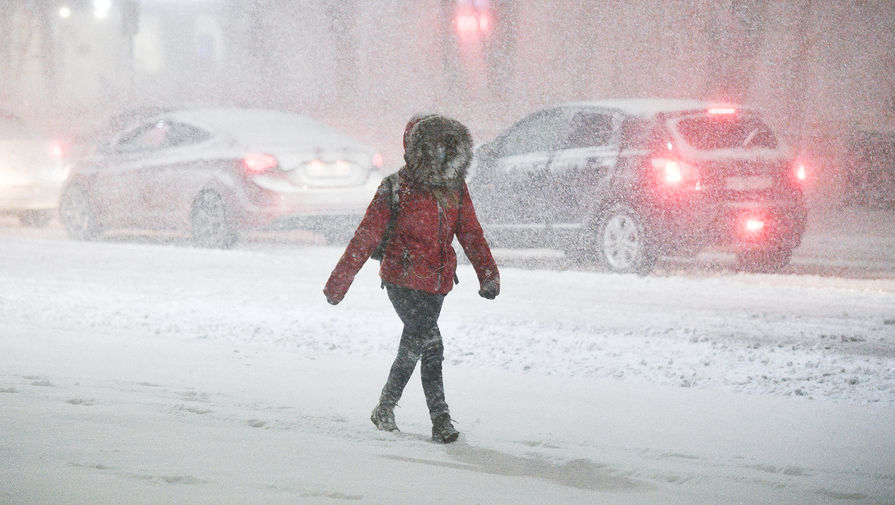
(144, 373)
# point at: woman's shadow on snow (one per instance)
(577, 473)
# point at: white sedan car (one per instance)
(31, 172)
(217, 172)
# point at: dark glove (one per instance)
(331, 297)
(490, 289)
(335, 289)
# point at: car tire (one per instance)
(77, 215)
(623, 242)
(210, 222)
(765, 261)
(35, 218)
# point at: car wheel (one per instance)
(77, 215)
(210, 221)
(35, 218)
(623, 242)
(766, 261)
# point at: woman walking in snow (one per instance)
(419, 210)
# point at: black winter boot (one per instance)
(384, 418)
(443, 431)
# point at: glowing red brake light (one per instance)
(258, 163)
(484, 22)
(57, 151)
(754, 224)
(467, 22)
(473, 21)
(801, 173)
(722, 110)
(673, 173)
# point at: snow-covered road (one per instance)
(149, 373)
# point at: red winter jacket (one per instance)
(419, 254)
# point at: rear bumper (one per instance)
(782, 226)
(311, 208)
(739, 226)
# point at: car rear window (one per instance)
(726, 131)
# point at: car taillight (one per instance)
(259, 163)
(722, 110)
(57, 150)
(800, 172)
(674, 173)
(754, 224)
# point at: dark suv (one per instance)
(627, 181)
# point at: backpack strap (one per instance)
(462, 197)
(459, 210)
(394, 186)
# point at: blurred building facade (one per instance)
(817, 69)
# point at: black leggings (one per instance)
(420, 341)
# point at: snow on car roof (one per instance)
(645, 107)
(259, 125)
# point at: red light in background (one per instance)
(673, 172)
(467, 22)
(57, 151)
(801, 172)
(377, 160)
(722, 110)
(754, 224)
(258, 163)
(484, 22)
(471, 20)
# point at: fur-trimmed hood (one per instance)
(438, 151)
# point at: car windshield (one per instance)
(726, 131)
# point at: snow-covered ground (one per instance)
(134, 372)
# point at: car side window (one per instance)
(145, 137)
(182, 134)
(539, 132)
(160, 135)
(589, 129)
